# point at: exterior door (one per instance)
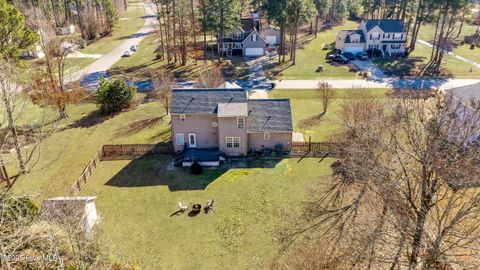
(385, 47)
(192, 140)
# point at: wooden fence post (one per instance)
(309, 144)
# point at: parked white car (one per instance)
(127, 53)
(133, 48)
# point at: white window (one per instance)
(237, 35)
(254, 37)
(192, 140)
(240, 123)
(179, 139)
(266, 136)
(236, 142)
(232, 142)
(183, 117)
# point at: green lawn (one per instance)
(144, 65)
(135, 201)
(307, 108)
(312, 55)
(128, 24)
(65, 153)
(451, 66)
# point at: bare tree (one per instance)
(211, 78)
(325, 93)
(400, 195)
(163, 84)
(50, 86)
(14, 137)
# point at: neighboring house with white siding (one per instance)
(249, 39)
(389, 36)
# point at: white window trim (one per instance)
(183, 117)
(266, 136)
(177, 136)
(195, 136)
(232, 142)
(243, 122)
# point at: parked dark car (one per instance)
(349, 55)
(338, 58)
(362, 56)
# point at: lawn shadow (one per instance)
(311, 121)
(92, 119)
(157, 170)
(138, 126)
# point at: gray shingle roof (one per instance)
(350, 32)
(269, 115)
(387, 26)
(232, 109)
(204, 101)
(466, 93)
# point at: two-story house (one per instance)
(209, 122)
(388, 36)
(249, 39)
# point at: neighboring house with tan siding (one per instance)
(210, 123)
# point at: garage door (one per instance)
(253, 51)
(271, 40)
(354, 50)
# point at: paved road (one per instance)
(388, 83)
(90, 75)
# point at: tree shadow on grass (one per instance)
(311, 121)
(138, 126)
(155, 170)
(92, 119)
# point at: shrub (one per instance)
(196, 168)
(114, 95)
(374, 53)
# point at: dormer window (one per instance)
(237, 35)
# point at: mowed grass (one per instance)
(451, 66)
(307, 109)
(136, 200)
(128, 23)
(145, 65)
(64, 154)
(311, 56)
(410, 66)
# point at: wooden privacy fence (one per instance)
(314, 147)
(127, 151)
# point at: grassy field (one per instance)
(136, 200)
(143, 64)
(451, 66)
(77, 139)
(311, 55)
(128, 24)
(307, 108)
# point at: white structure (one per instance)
(79, 210)
(388, 36)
